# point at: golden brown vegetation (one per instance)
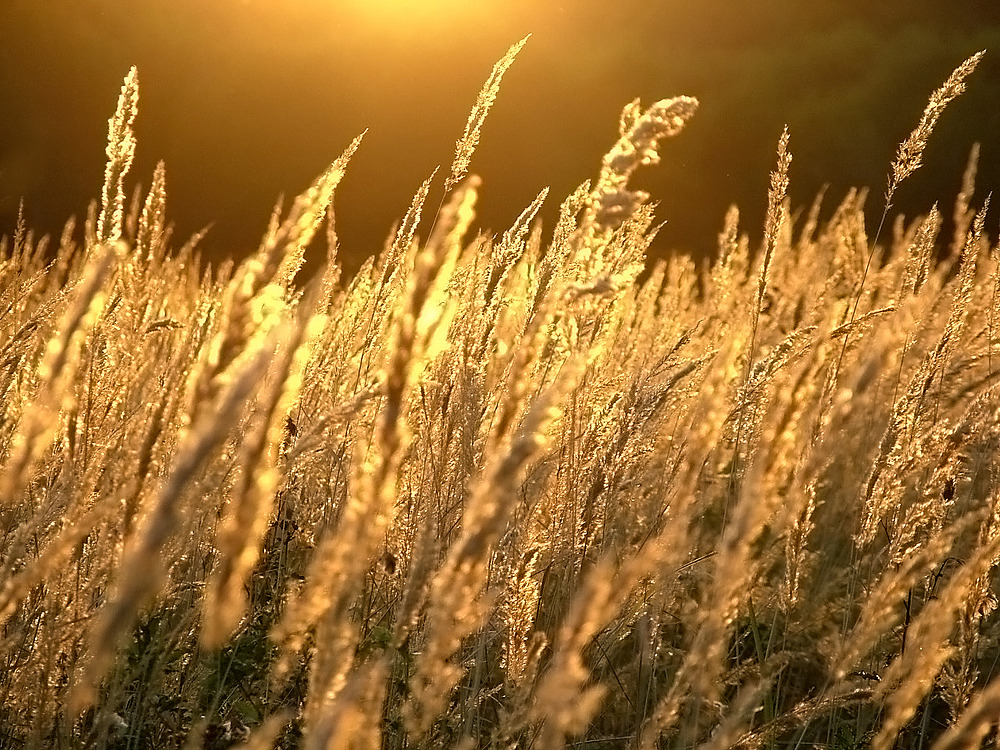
(505, 492)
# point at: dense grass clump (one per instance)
(514, 491)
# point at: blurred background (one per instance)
(246, 100)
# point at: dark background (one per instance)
(249, 99)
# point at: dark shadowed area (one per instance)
(246, 100)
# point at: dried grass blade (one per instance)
(466, 146)
(120, 151)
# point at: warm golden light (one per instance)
(420, 15)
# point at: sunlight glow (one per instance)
(421, 13)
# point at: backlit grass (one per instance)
(512, 491)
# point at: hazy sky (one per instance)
(249, 99)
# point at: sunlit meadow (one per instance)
(515, 491)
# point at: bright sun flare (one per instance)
(412, 12)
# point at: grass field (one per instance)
(513, 491)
